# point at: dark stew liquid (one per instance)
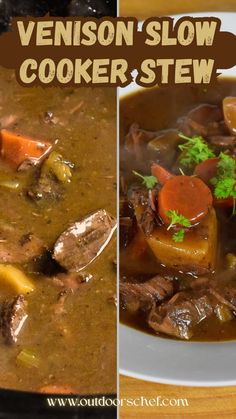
(178, 246)
(69, 337)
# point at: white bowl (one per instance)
(167, 361)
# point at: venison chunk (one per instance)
(16, 247)
(142, 295)
(81, 243)
(13, 316)
(180, 316)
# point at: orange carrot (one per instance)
(56, 389)
(160, 173)
(16, 148)
(187, 195)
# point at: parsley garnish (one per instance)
(225, 181)
(195, 150)
(148, 181)
(178, 236)
(177, 218)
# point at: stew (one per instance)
(178, 207)
(57, 238)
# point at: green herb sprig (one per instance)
(179, 236)
(195, 150)
(148, 181)
(225, 180)
(177, 219)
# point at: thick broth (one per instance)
(76, 347)
(158, 109)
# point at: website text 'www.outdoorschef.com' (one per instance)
(142, 401)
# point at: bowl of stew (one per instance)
(177, 231)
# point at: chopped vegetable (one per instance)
(231, 261)
(10, 184)
(28, 358)
(161, 174)
(59, 167)
(223, 313)
(195, 150)
(148, 181)
(15, 279)
(197, 252)
(16, 148)
(186, 195)
(225, 180)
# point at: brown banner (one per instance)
(85, 51)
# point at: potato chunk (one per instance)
(196, 253)
(15, 279)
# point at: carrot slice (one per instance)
(16, 148)
(56, 389)
(160, 173)
(206, 171)
(187, 195)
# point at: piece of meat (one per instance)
(137, 135)
(223, 143)
(182, 314)
(136, 139)
(71, 281)
(18, 247)
(141, 296)
(81, 243)
(46, 186)
(61, 299)
(138, 196)
(226, 141)
(224, 290)
(13, 316)
(203, 120)
(127, 229)
(147, 221)
(202, 281)
(205, 114)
